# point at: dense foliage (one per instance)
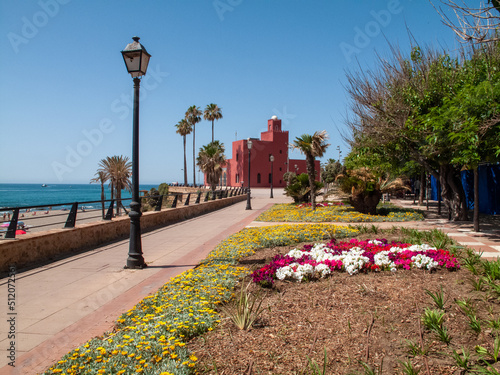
(429, 110)
(299, 187)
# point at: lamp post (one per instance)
(136, 60)
(249, 145)
(296, 169)
(271, 159)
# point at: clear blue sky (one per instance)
(65, 92)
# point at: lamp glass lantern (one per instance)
(136, 58)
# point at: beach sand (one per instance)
(54, 219)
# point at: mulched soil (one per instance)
(365, 317)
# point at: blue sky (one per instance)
(65, 92)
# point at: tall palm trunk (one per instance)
(185, 163)
(112, 192)
(118, 199)
(102, 198)
(194, 157)
(310, 173)
(212, 130)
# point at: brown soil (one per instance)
(365, 317)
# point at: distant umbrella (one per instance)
(20, 231)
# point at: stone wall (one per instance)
(42, 247)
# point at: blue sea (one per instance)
(15, 195)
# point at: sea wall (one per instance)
(42, 247)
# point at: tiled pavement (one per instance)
(62, 305)
(487, 241)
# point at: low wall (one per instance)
(45, 246)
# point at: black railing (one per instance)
(22, 216)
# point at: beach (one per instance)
(52, 219)
(42, 220)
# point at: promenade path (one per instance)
(62, 305)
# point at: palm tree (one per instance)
(184, 128)
(212, 112)
(119, 170)
(210, 160)
(312, 146)
(193, 116)
(101, 176)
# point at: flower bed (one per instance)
(150, 337)
(320, 204)
(333, 213)
(354, 256)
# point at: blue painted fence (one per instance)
(489, 189)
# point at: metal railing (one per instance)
(111, 209)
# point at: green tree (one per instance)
(163, 188)
(212, 112)
(312, 146)
(211, 159)
(413, 109)
(298, 187)
(184, 128)
(330, 171)
(193, 116)
(101, 176)
(366, 187)
(119, 171)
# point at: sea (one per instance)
(19, 195)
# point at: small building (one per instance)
(273, 142)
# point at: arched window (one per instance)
(258, 178)
(237, 156)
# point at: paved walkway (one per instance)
(62, 305)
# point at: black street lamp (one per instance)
(271, 159)
(249, 145)
(136, 60)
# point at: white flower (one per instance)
(395, 249)
(423, 247)
(423, 261)
(301, 271)
(382, 260)
(323, 269)
(284, 272)
(296, 253)
(354, 260)
(375, 242)
(321, 253)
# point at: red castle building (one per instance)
(273, 142)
